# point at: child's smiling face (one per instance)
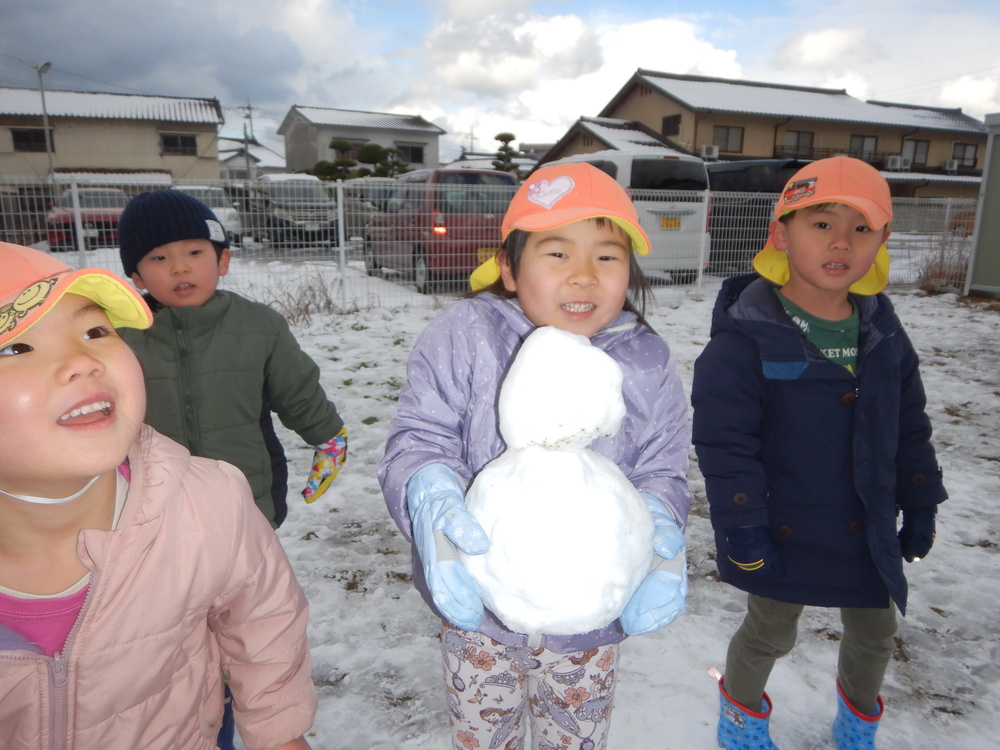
(74, 400)
(574, 277)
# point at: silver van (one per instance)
(670, 193)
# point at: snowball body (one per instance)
(570, 537)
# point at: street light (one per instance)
(42, 69)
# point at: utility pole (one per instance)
(42, 69)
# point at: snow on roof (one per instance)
(114, 178)
(358, 119)
(110, 106)
(749, 97)
(622, 135)
(263, 157)
(964, 179)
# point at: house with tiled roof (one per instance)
(101, 133)
(308, 132)
(924, 151)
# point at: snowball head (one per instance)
(561, 390)
(570, 540)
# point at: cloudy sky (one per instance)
(480, 67)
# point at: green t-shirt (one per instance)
(836, 339)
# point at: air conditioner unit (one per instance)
(894, 163)
(951, 166)
(709, 151)
(905, 163)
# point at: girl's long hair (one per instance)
(636, 297)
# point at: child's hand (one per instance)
(441, 522)
(328, 459)
(659, 600)
(917, 535)
(752, 551)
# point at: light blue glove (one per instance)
(435, 498)
(659, 600)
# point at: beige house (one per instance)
(108, 133)
(308, 131)
(923, 151)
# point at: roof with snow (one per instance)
(263, 157)
(703, 94)
(625, 135)
(353, 118)
(14, 101)
(614, 135)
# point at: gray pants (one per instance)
(769, 630)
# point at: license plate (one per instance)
(670, 222)
(312, 226)
(483, 254)
(91, 233)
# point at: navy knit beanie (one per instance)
(162, 216)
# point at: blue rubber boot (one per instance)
(853, 730)
(743, 729)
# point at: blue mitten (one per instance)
(435, 498)
(752, 550)
(916, 537)
(659, 600)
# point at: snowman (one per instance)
(570, 536)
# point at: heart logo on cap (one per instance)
(546, 193)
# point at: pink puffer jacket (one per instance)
(192, 581)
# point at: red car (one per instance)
(100, 209)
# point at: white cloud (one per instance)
(972, 94)
(839, 49)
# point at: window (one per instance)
(916, 151)
(965, 153)
(863, 147)
(178, 144)
(671, 125)
(30, 139)
(728, 138)
(411, 154)
(798, 143)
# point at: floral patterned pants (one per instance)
(492, 689)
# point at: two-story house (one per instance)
(308, 132)
(102, 133)
(924, 151)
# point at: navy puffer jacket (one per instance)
(789, 440)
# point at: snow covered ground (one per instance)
(376, 652)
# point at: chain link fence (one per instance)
(375, 242)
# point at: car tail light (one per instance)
(437, 224)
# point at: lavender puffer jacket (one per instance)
(447, 414)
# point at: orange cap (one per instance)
(33, 281)
(839, 179)
(559, 194)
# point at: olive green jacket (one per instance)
(208, 370)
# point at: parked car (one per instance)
(743, 196)
(224, 208)
(439, 224)
(363, 197)
(294, 209)
(670, 193)
(100, 209)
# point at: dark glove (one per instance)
(751, 550)
(916, 537)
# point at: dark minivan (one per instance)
(743, 196)
(439, 224)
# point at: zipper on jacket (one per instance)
(191, 436)
(58, 703)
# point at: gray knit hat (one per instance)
(162, 216)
